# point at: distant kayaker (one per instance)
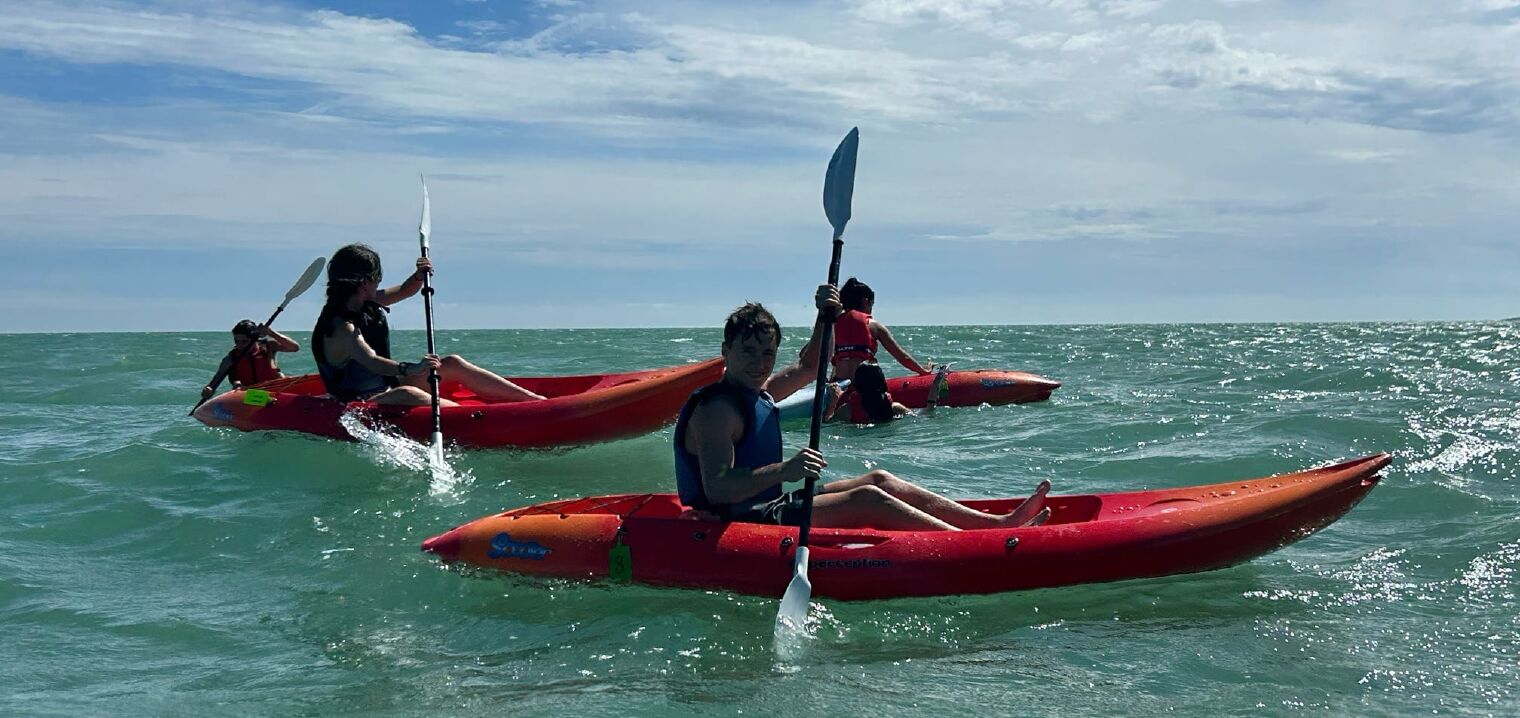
(856, 334)
(247, 366)
(351, 341)
(728, 452)
(866, 399)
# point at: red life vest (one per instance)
(255, 366)
(853, 338)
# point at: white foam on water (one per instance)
(396, 450)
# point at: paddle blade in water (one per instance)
(798, 597)
(839, 183)
(435, 453)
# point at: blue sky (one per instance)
(175, 165)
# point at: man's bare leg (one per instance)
(869, 507)
(946, 510)
(1032, 508)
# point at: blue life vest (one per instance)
(759, 446)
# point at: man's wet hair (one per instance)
(751, 320)
(244, 328)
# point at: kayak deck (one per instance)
(1089, 538)
(578, 409)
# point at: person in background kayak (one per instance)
(856, 334)
(250, 366)
(351, 341)
(866, 400)
(728, 452)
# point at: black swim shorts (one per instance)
(784, 510)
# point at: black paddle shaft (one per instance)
(221, 374)
(820, 393)
(427, 313)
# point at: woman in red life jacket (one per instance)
(246, 367)
(857, 334)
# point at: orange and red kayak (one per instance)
(647, 538)
(578, 410)
(973, 388)
(962, 388)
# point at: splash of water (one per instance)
(790, 642)
(396, 450)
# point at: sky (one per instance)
(175, 165)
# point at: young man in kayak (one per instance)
(250, 366)
(728, 455)
(856, 334)
(351, 341)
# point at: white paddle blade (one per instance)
(839, 181)
(425, 227)
(304, 283)
(798, 597)
(435, 452)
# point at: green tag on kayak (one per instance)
(620, 562)
(256, 397)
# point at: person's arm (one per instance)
(832, 405)
(710, 434)
(785, 382)
(282, 343)
(412, 285)
(352, 346)
(221, 372)
(902, 356)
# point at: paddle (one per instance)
(424, 229)
(300, 287)
(838, 189)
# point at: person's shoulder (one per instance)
(718, 410)
(343, 324)
(717, 401)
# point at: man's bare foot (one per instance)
(1040, 518)
(1031, 507)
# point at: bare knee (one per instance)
(452, 361)
(881, 478)
(418, 395)
(869, 494)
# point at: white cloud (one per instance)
(676, 140)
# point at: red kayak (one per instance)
(962, 388)
(1089, 538)
(578, 410)
(973, 388)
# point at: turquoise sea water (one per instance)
(152, 566)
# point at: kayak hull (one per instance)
(965, 388)
(1089, 538)
(579, 409)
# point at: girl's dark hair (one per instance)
(751, 320)
(854, 294)
(244, 328)
(351, 266)
(871, 385)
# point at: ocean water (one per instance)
(152, 566)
